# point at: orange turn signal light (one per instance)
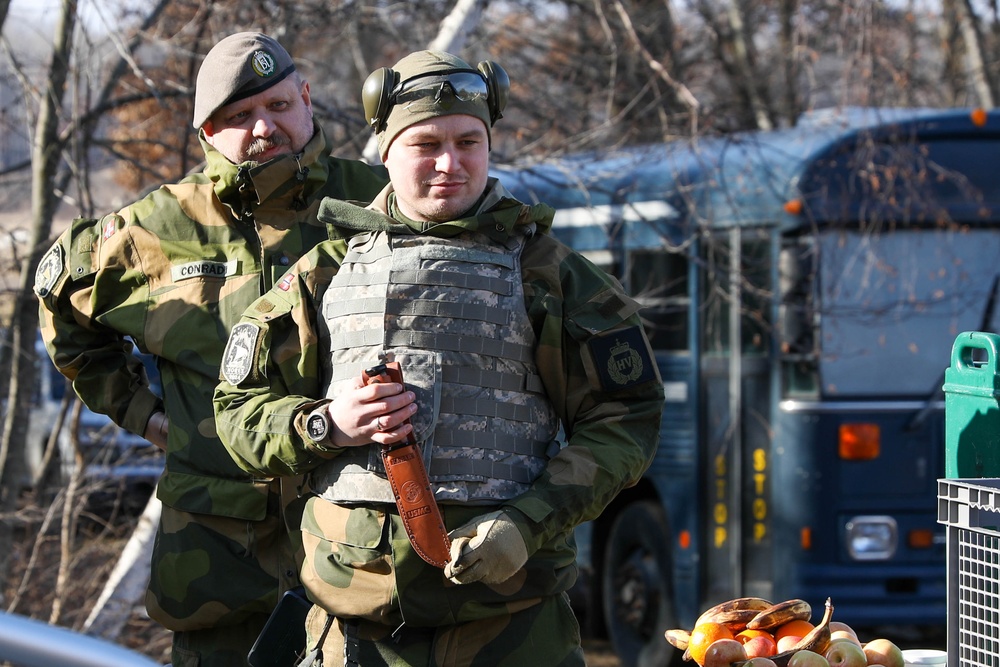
(793, 206)
(920, 538)
(978, 117)
(859, 442)
(806, 538)
(684, 539)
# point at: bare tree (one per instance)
(24, 321)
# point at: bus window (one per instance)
(659, 281)
(749, 284)
(797, 317)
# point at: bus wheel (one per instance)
(636, 587)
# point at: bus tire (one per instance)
(635, 579)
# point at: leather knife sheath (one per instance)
(411, 487)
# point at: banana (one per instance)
(678, 638)
(817, 641)
(781, 613)
(736, 619)
(746, 604)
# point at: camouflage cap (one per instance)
(422, 63)
(236, 68)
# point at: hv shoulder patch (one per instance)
(241, 353)
(622, 359)
(50, 268)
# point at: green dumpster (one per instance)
(971, 407)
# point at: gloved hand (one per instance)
(489, 549)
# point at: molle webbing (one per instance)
(452, 312)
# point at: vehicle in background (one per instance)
(27, 642)
(802, 290)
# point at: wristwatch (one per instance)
(318, 426)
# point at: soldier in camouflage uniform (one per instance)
(173, 272)
(503, 334)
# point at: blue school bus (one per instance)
(802, 289)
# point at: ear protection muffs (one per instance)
(376, 95)
(497, 86)
(377, 92)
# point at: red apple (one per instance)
(723, 652)
(845, 653)
(837, 626)
(883, 652)
(760, 647)
(845, 635)
(807, 659)
(787, 642)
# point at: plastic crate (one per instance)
(970, 508)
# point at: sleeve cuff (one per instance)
(143, 404)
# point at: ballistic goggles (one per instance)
(442, 88)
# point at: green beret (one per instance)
(236, 68)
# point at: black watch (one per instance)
(318, 426)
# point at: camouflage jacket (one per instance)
(173, 272)
(580, 317)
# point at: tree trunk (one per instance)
(975, 64)
(46, 149)
(127, 583)
(789, 60)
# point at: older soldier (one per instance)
(502, 334)
(173, 272)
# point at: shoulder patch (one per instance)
(49, 269)
(241, 353)
(622, 359)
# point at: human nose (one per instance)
(263, 126)
(447, 161)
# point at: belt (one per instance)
(411, 487)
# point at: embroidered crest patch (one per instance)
(49, 269)
(622, 359)
(262, 63)
(241, 353)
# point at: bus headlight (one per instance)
(871, 537)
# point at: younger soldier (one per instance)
(172, 273)
(503, 335)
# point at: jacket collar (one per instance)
(306, 169)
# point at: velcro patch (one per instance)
(49, 269)
(622, 359)
(241, 353)
(203, 269)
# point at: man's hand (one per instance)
(156, 430)
(489, 549)
(371, 413)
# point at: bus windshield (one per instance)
(892, 303)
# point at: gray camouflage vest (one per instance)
(452, 312)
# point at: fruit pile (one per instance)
(753, 632)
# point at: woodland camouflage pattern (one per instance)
(358, 560)
(174, 272)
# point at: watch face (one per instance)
(317, 427)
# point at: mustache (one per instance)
(261, 145)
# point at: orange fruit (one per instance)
(702, 637)
(797, 628)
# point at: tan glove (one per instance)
(489, 549)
